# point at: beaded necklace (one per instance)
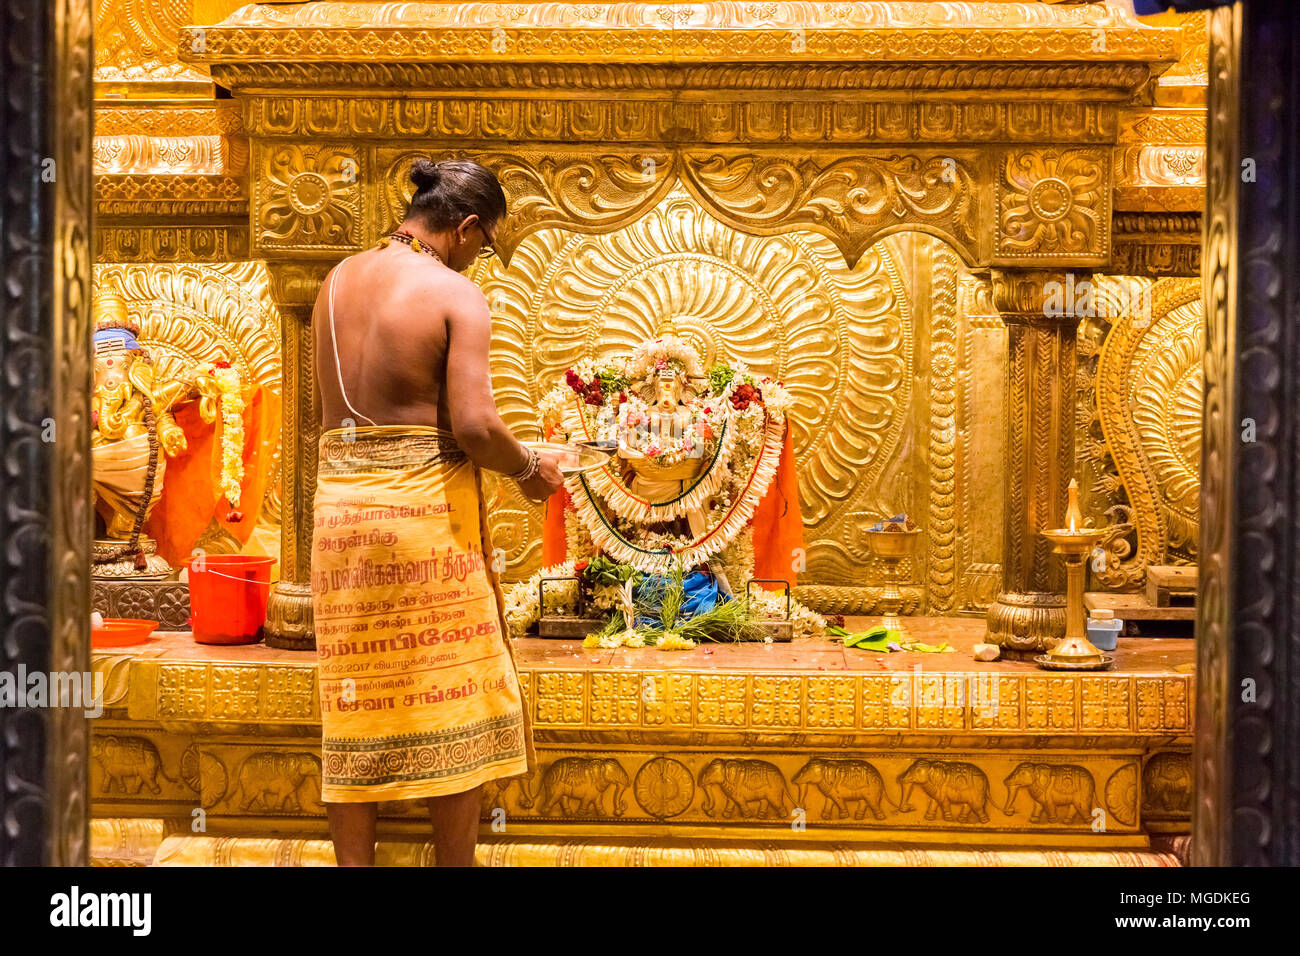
(411, 241)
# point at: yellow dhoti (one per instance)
(419, 692)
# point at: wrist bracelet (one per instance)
(530, 467)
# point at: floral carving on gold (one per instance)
(1053, 202)
(576, 189)
(853, 199)
(308, 197)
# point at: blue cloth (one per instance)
(701, 596)
(107, 335)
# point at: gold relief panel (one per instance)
(138, 41)
(577, 189)
(648, 113)
(307, 197)
(1149, 409)
(1096, 794)
(854, 199)
(627, 701)
(434, 31)
(155, 244)
(1054, 203)
(840, 339)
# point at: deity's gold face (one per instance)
(111, 369)
(668, 392)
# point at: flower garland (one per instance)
(522, 609)
(608, 485)
(749, 480)
(232, 434)
(577, 542)
(666, 352)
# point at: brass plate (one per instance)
(576, 458)
(1052, 664)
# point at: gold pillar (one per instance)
(1041, 310)
(294, 286)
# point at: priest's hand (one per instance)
(547, 480)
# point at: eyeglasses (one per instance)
(487, 252)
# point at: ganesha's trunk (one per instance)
(1010, 808)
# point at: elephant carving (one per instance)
(731, 786)
(278, 782)
(130, 764)
(494, 793)
(584, 781)
(1167, 783)
(958, 789)
(843, 782)
(1066, 790)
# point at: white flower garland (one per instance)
(522, 610)
(232, 433)
(647, 356)
(770, 605)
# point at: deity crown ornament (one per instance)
(660, 355)
(114, 330)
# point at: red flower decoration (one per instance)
(234, 516)
(743, 395)
(221, 363)
(580, 565)
(573, 381)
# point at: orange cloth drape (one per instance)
(553, 544)
(191, 495)
(778, 523)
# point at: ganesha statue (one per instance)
(134, 433)
(697, 452)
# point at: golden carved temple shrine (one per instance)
(978, 250)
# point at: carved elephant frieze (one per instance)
(579, 784)
(745, 788)
(1061, 793)
(129, 764)
(842, 782)
(958, 789)
(278, 782)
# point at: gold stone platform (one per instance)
(727, 754)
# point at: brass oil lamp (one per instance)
(1074, 542)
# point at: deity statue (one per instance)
(697, 452)
(671, 415)
(134, 432)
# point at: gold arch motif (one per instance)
(851, 198)
(1149, 400)
(840, 339)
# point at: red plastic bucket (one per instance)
(228, 595)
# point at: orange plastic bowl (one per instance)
(122, 632)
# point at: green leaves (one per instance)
(720, 376)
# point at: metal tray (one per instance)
(577, 457)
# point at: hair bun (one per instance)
(425, 174)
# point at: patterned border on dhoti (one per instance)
(400, 759)
(343, 451)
